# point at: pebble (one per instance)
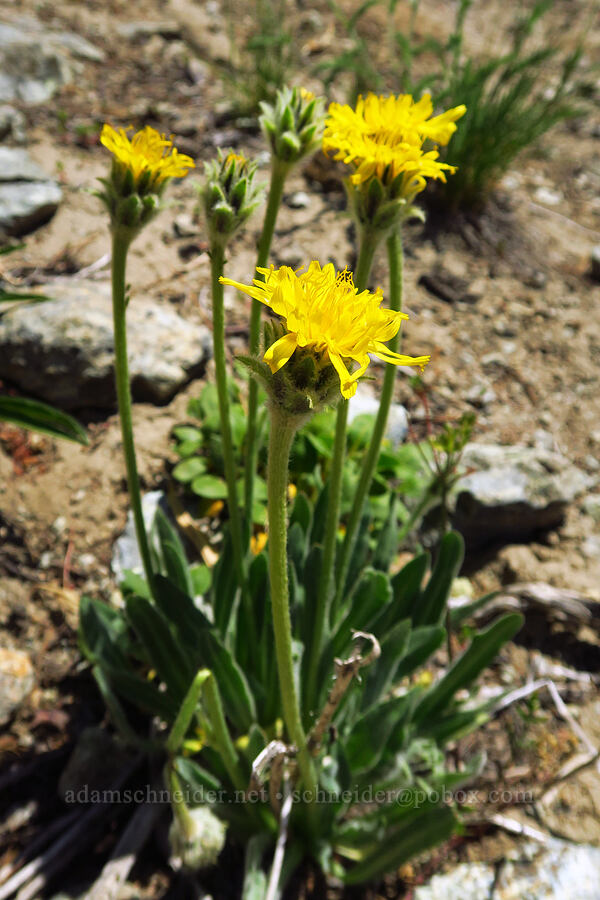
(16, 681)
(298, 200)
(548, 197)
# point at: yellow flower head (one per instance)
(384, 136)
(147, 153)
(324, 311)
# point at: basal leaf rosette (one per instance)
(390, 145)
(327, 329)
(142, 166)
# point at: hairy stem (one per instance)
(120, 246)
(217, 260)
(281, 435)
(395, 258)
(278, 175)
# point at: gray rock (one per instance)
(365, 402)
(62, 350)
(470, 881)
(36, 62)
(12, 124)
(126, 553)
(16, 681)
(557, 870)
(513, 492)
(28, 197)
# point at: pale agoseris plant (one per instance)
(293, 126)
(141, 168)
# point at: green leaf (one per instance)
(301, 513)
(467, 667)
(406, 588)
(372, 593)
(164, 652)
(187, 433)
(209, 486)
(435, 595)
(233, 686)
(12, 296)
(188, 469)
(459, 614)
(366, 742)
(141, 693)
(38, 416)
(224, 585)
(255, 879)
(420, 833)
(201, 579)
(380, 676)
(198, 779)
(421, 644)
(132, 583)
(103, 633)
(173, 554)
(387, 543)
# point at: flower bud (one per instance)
(229, 195)
(293, 124)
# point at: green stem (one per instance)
(186, 712)
(278, 175)
(217, 261)
(120, 246)
(220, 733)
(395, 258)
(368, 246)
(281, 435)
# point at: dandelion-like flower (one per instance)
(385, 136)
(148, 155)
(142, 165)
(324, 312)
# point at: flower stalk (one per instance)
(217, 261)
(282, 431)
(395, 260)
(279, 171)
(120, 246)
(325, 595)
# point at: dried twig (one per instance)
(345, 670)
(515, 827)
(278, 856)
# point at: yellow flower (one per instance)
(324, 311)
(384, 136)
(147, 152)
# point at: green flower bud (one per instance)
(293, 124)
(229, 195)
(378, 206)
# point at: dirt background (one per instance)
(531, 335)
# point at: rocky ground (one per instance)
(505, 303)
